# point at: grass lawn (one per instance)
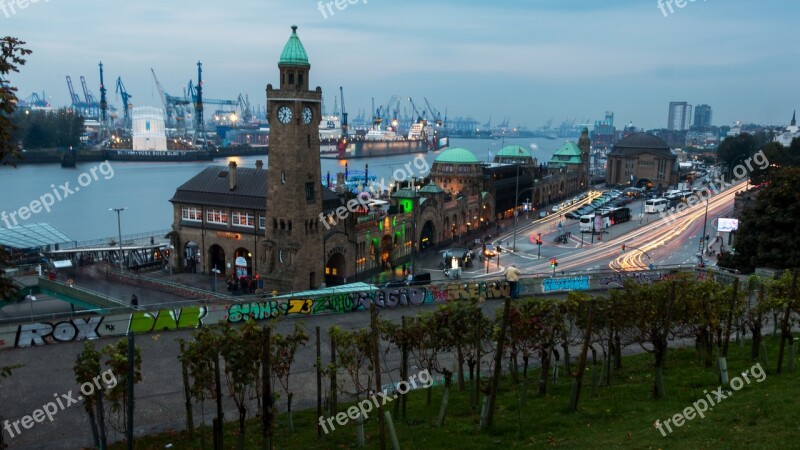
(760, 415)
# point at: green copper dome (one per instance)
(514, 151)
(293, 52)
(457, 155)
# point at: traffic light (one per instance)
(553, 263)
(623, 248)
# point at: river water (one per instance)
(81, 208)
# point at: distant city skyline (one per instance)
(529, 61)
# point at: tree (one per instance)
(87, 366)
(354, 354)
(118, 395)
(11, 57)
(660, 317)
(734, 150)
(5, 372)
(10, 60)
(769, 232)
(7, 288)
(284, 348)
(199, 355)
(237, 346)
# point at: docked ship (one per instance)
(378, 141)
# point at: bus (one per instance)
(614, 216)
(656, 205)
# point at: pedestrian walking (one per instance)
(134, 301)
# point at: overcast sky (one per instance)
(530, 60)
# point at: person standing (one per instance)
(512, 277)
(134, 301)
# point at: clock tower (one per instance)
(293, 260)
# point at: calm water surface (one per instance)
(145, 188)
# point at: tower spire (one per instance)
(794, 118)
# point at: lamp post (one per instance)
(703, 236)
(516, 202)
(215, 271)
(414, 235)
(119, 231)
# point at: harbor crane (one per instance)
(103, 100)
(244, 107)
(175, 107)
(35, 101)
(416, 111)
(436, 115)
(126, 105)
(73, 96)
(344, 113)
(88, 108)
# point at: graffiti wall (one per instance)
(580, 283)
(618, 279)
(96, 327)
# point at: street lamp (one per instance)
(216, 271)
(516, 202)
(414, 235)
(703, 236)
(119, 231)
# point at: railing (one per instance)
(105, 241)
(81, 294)
(181, 290)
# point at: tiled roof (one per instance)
(211, 187)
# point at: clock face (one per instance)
(284, 114)
(307, 115)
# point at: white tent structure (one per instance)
(148, 128)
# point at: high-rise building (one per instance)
(702, 116)
(680, 116)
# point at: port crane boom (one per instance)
(344, 113)
(126, 106)
(436, 115)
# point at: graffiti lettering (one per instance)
(618, 279)
(489, 291)
(394, 297)
(253, 311)
(78, 329)
(580, 283)
(300, 306)
(167, 319)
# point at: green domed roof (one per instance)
(457, 155)
(431, 188)
(514, 151)
(293, 51)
